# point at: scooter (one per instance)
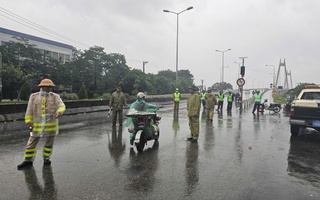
(145, 128)
(275, 107)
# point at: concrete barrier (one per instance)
(16, 112)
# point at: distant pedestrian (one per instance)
(220, 100)
(257, 101)
(203, 100)
(211, 101)
(44, 109)
(176, 100)
(237, 97)
(117, 103)
(193, 108)
(230, 101)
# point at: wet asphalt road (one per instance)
(238, 156)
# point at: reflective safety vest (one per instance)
(230, 97)
(203, 96)
(257, 98)
(221, 97)
(176, 97)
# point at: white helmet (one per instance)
(177, 89)
(141, 95)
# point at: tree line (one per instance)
(94, 69)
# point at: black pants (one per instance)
(203, 104)
(220, 105)
(229, 107)
(256, 107)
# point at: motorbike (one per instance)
(144, 128)
(275, 107)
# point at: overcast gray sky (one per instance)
(265, 31)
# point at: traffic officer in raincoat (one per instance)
(193, 108)
(176, 100)
(257, 101)
(230, 101)
(211, 101)
(44, 109)
(220, 100)
(203, 100)
(117, 103)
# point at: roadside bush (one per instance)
(106, 96)
(96, 96)
(25, 91)
(69, 96)
(83, 94)
(128, 97)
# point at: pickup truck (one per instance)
(305, 110)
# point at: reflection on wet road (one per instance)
(239, 155)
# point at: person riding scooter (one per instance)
(140, 105)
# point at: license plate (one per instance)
(316, 123)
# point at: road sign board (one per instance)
(241, 82)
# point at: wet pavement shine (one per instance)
(238, 156)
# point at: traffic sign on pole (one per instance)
(241, 82)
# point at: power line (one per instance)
(42, 28)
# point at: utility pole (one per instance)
(242, 72)
(144, 63)
(202, 85)
(0, 76)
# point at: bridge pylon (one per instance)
(286, 75)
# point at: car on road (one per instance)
(305, 110)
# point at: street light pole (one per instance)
(144, 63)
(222, 68)
(177, 42)
(239, 65)
(274, 72)
(0, 77)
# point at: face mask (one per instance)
(43, 93)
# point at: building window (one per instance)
(67, 58)
(55, 55)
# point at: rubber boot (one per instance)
(25, 164)
(46, 161)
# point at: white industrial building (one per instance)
(49, 48)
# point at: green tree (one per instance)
(115, 70)
(163, 85)
(168, 73)
(83, 92)
(21, 53)
(222, 86)
(87, 69)
(23, 61)
(134, 82)
(12, 79)
(186, 79)
(25, 91)
(165, 82)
